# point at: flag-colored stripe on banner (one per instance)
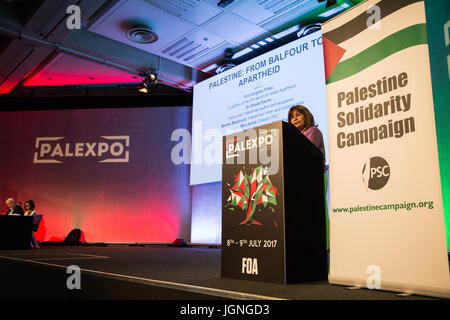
(378, 31)
(359, 23)
(406, 38)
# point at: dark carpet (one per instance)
(149, 273)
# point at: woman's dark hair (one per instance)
(309, 119)
(31, 203)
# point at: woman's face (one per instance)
(298, 120)
(27, 206)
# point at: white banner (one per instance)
(387, 223)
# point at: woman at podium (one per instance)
(303, 120)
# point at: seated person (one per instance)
(29, 208)
(14, 209)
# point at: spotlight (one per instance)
(308, 29)
(227, 62)
(224, 3)
(151, 78)
(143, 87)
(329, 2)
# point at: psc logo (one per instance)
(376, 173)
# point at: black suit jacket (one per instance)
(17, 209)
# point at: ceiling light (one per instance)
(224, 67)
(329, 2)
(287, 32)
(143, 88)
(210, 67)
(308, 29)
(242, 52)
(150, 80)
(224, 3)
(227, 62)
(333, 11)
(142, 34)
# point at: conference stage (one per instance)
(149, 272)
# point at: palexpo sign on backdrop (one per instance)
(106, 149)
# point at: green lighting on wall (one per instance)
(438, 23)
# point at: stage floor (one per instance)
(168, 273)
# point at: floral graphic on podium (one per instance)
(251, 191)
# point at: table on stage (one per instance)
(15, 232)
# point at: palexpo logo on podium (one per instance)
(108, 149)
(233, 150)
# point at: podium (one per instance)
(273, 206)
(15, 232)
